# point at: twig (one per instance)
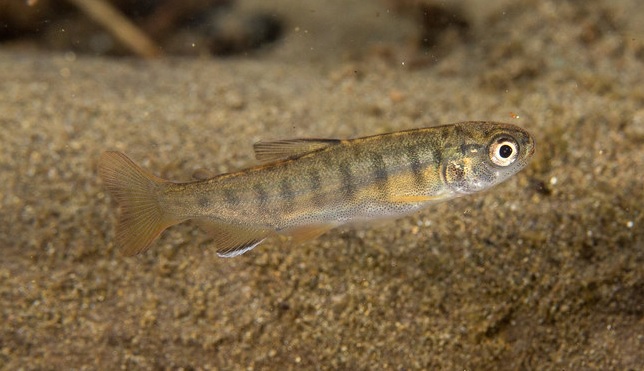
(121, 27)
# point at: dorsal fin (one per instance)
(290, 148)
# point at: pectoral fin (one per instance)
(231, 239)
(414, 199)
(290, 148)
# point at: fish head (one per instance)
(483, 154)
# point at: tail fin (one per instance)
(142, 218)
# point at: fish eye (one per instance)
(503, 151)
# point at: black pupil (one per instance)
(505, 151)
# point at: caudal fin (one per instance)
(142, 218)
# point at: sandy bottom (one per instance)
(543, 271)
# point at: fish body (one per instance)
(308, 186)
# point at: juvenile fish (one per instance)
(309, 186)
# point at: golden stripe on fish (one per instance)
(308, 186)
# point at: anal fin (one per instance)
(233, 239)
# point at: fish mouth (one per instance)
(532, 146)
(529, 144)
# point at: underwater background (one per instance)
(541, 272)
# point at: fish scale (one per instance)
(308, 186)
